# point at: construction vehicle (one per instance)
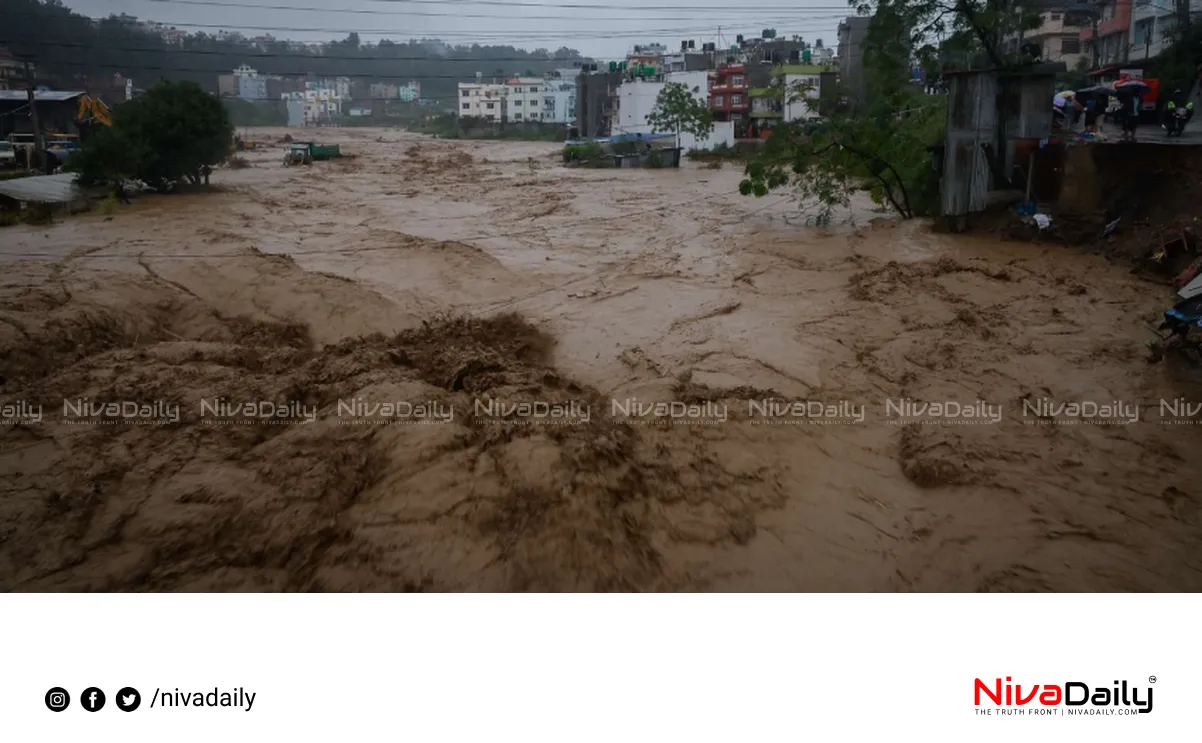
(299, 154)
(92, 113)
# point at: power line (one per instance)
(523, 4)
(737, 12)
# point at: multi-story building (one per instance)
(637, 98)
(524, 98)
(410, 91)
(1153, 27)
(252, 88)
(1106, 41)
(728, 94)
(795, 94)
(852, 33)
(482, 100)
(12, 72)
(559, 103)
(382, 91)
(1058, 36)
(596, 101)
(650, 55)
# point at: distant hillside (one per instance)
(72, 49)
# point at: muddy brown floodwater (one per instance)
(446, 272)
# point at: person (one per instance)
(1091, 114)
(1177, 101)
(1130, 115)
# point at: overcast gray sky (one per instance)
(596, 28)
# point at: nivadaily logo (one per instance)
(1071, 698)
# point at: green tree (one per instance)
(107, 159)
(175, 132)
(884, 148)
(678, 110)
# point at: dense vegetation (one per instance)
(70, 49)
(174, 133)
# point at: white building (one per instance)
(314, 106)
(524, 98)
(482, 100)
(559, 103)
(636, 101)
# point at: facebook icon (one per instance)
(92, 699)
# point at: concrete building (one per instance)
(853, 30)
(313, 106)
(482, 100)
(1107, 42)
(12, 72)
(382, 91)
(636, 101)
(410, 91)
(559, 103)
(596, 102)
(1059, 34)
(524, 98)
(252, 88)
(1153, 27)
(728, 94)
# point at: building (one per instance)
(12, 72)
(382, 91)
(1058, 36)
(559, 103)
(728, 94)
(57, 111)
(524, 98)
(312, 106)
(410, 91)
(647, 55)
(227, 86)
(1106, 41)
(252, 88)
(853, 31)
(1153, 27)
(597, 101)
(482, 100)
(637, 98)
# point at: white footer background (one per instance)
(592, 668)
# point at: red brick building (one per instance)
(728, 94)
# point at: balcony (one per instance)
(1120, 20)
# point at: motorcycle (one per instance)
(1175, 121)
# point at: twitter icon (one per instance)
(128, 699)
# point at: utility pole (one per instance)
(39, 147)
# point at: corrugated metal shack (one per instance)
(58, 191)
(989, 112)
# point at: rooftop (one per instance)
(41, 95)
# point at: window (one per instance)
(517, 102)
(517, 117)
(489, 106)
(738, 81)
(465, 93)
(736, 100)
(719, 101)
(468, 106)
(1055, 16)
(1070, 45)
(517, 90)
(1142, 33)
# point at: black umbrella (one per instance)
(1096, 90)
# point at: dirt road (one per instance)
(444, 272)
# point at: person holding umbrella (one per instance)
(1129, 92)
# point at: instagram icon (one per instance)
(57, 699)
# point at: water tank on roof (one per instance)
(805, 56)
(739, 38)
(613, 66)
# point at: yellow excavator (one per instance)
(92, 112)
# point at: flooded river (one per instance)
(799, 450)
